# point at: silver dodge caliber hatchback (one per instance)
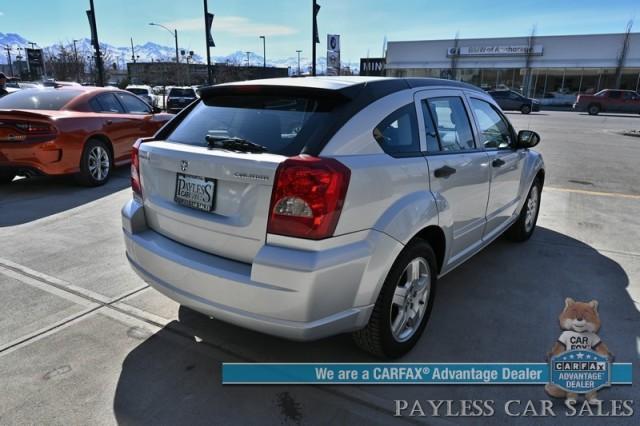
(309, 207)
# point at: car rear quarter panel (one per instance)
(387, 194)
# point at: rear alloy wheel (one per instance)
(593, 109)
(95, 164)
(525, 109)
(6, 177)
(404, 304)
(523, 228)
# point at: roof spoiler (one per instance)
(272, 90)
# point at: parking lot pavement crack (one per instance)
(31, 337)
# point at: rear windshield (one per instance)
(187, 93)
(49, 99)
(281, 124)
(138, 91)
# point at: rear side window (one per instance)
(398, 132)
(133, 105)
(282, 124)
(43, 99)
(452, 123)
(106, 103)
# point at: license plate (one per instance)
(195, 192)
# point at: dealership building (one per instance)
(551, 64)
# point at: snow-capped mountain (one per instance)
(156, 52)
(11, 39)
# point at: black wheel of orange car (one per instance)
(404, 304)
(6, 177)
(523, 227)
(525, 109)
(95, 164)
(593, 109)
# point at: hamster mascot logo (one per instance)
(579, 359)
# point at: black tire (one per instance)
(377, 337)
(593, 109)
(522, 228)
(525, 109)
(6, 177)
(95, 150)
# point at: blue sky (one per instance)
(286, 23)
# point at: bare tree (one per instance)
(622, 56)
(61, 62)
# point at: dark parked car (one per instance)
(514, 101)
(608, 100)
(180, 97)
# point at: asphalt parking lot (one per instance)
(83, 340)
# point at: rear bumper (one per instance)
(49, 158)
(535, 107)
(291, 293)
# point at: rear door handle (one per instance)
(498, 162)
(109, 122)
(444, 172)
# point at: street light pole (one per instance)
(98, 61)
(314, 37)
(175, 36)
(8, 49)
(248, 60)
(133, 52)
(75, 54)
(264, 51)
(209, 40)
(299, 51)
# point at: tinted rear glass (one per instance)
(138, 91)
(38, 99)
(280, 123)
(187, 93)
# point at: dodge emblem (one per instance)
(184, 165)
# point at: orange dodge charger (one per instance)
(78, 130)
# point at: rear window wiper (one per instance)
(233, 144)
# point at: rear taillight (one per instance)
(307, 198)
(136, 184)
(36, 128)
(30, 131)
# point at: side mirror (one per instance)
(156, 110)
(528, 139)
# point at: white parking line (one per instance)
(56, 291)
(53, 281)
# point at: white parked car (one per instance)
(309, 207)
(144, 92)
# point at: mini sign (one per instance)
(372, 66)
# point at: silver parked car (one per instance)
(309, 207)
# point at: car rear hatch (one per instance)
(217, 199)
